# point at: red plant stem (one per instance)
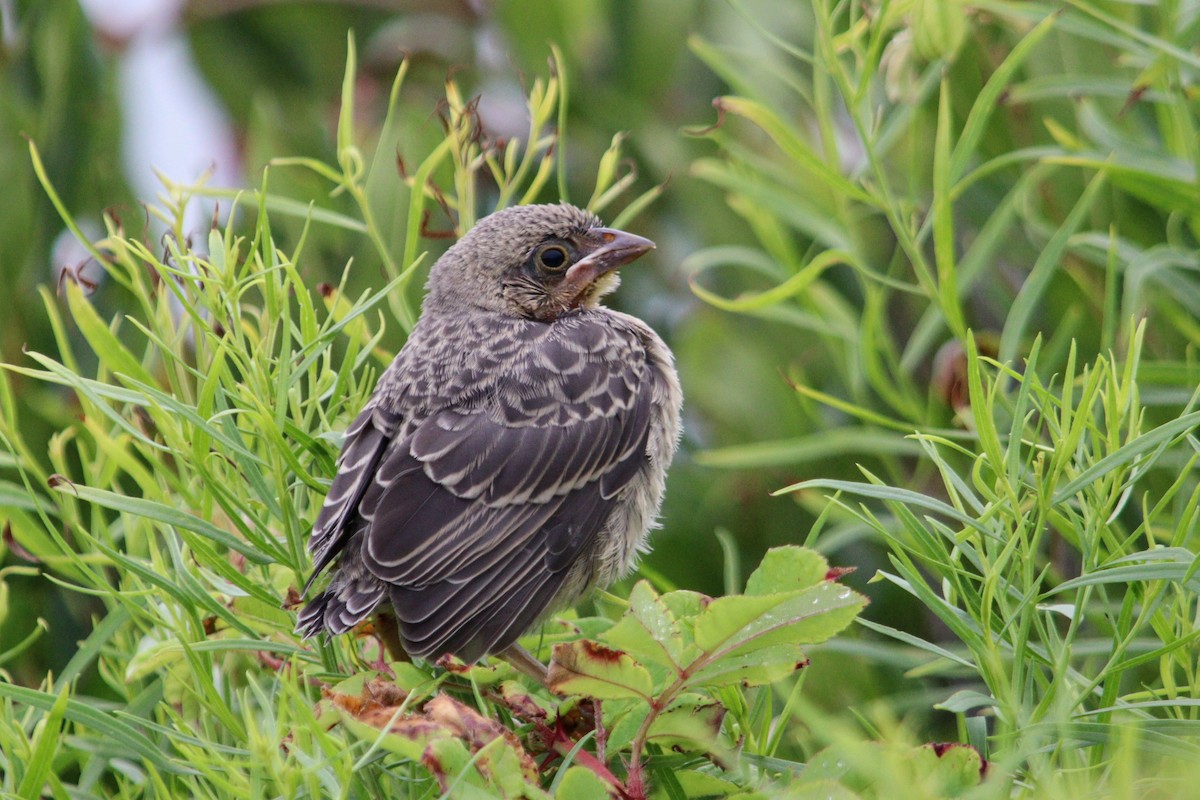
(563, 744)
(601, 732)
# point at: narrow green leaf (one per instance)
(161, 513)
(817, 447)
(125, 740)
(943, 212)
(115, 357)
(988, 99)
(1048, 263)
(46, 740)
(1158, 437)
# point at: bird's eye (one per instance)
(552, 257)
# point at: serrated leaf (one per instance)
(685, 604)
(479, 674)
(725, 617)
(524, 705)
(787, 569)
(694, 727)
(410, 677)
(450, 762)
(955, 767)
(510, 762)
(407, 737)
(587, 668)
(740, 625)
(758, 668)
(650, 633)
(374, 710)
(623, 719)
(579, 783)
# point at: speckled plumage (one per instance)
(513, 455)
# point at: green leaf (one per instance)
(820, 447)
(649, 631)
(1030, 298)
(819, 790)
(787, 569)
(160, 512)
(740, 625)
(46, 739)
(803, 156)
(694, 726)
(407, 736)
(580, 783)
(118, 735)
(108, 348)
(14, 495)
(965, 700)
(685, 604)
(1159, 437)
(988, 99)
(725, 617)
(593, 670)
(703, 784)
(760, 667)
(955, 768)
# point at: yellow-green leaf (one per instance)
(587, 668)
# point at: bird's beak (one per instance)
(616, 249)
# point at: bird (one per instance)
(513, 456)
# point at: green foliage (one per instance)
(1014, 374)
(674, 672)
(967, 234)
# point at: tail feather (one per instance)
(349, 599)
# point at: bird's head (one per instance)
(536, 262)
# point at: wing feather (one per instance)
(366, 440)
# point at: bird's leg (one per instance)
(388, 634)
(524, 661)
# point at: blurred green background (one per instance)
(1113, 83)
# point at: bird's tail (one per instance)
(348, 600)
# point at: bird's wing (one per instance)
(366, 440)
(476, 517)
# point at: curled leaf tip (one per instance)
(719, 105)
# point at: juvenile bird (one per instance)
(513, 456)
